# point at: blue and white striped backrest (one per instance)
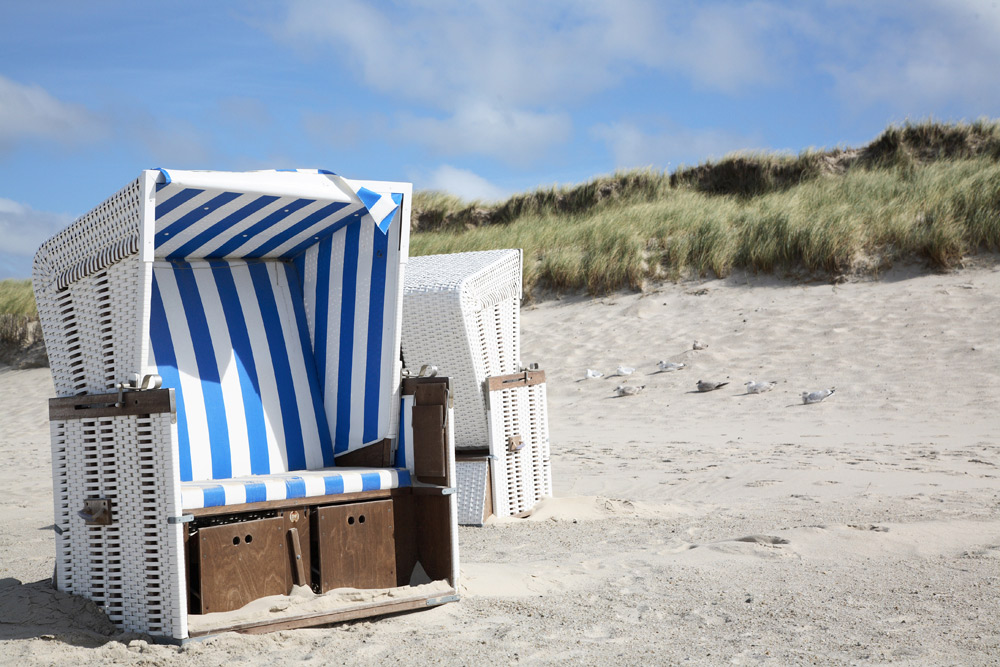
(336, 265)
(232, 339)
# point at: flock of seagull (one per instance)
(752, 387)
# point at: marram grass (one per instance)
(903, 197)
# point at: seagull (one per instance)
(698, 345)
(627, 390)
(817, 396)
(625, 370)
(710, 386)
(667, 366)
(760, 387)
(593, 375)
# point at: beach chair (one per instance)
(461, 315)
(230, 419)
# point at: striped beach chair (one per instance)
(230, 418)
(461, 315)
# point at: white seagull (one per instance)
(760, 387)
(593, 375)
(629, 390)
(625, 370)
(817, 396)
(668, 366)
(704, 385)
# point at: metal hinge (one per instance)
(152, 381)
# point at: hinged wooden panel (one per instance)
(241, 562)
(356, 548)
(429, 442)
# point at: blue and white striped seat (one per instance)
(297, 484)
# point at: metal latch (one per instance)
(151, 381)
(96, 512)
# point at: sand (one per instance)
(709, 528)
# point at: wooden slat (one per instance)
(378, 455)
(525, 379)
(429, 442)
(300, 569)
(325, 618)
(432, 516)
(90, 406)
(335, 499)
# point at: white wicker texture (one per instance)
(524, 477)
(131, 568)
(473, 476)
(87, 296)
(461, 313)
(92, 291)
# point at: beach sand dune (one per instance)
(715, 528)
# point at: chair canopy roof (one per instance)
(275, 214)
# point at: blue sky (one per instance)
(478, 98)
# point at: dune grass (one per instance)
(17, 298)
(927, 191)
(17, 312)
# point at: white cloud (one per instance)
(462, 183)
(916, 55)
(30, 112)
(668, 147)
(23, 230)
(524, 53)
(172, 142)
(515, 136)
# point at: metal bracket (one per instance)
(96, 511)
(152, 381)
(183, 518)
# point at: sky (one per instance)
(477, 98)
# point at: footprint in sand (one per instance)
(868, 526)
(769, 540)
(761, 482)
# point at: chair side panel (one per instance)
(132, 568)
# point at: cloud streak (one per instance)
(29, 112)
(23, 230)
(668, 146)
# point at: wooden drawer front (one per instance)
(356, 548)
(241, 562)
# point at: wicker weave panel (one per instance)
(524, 477)
(473, 476)
(461, 313)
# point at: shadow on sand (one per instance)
(37, 610)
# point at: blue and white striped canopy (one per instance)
(274, 315)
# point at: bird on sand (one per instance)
(760, 387)
(817, 396)
(593, 375)
(704, 385)
(629, 390)
(698, 345)
(625, 370)
(668, 366)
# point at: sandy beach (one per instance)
(702, 528)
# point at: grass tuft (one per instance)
(926, 191)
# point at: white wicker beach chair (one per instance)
(461, 314)
(269, 303)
